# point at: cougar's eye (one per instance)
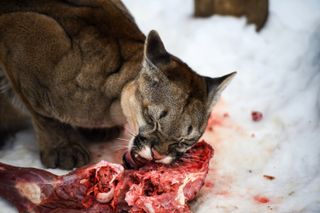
(163, 114)
(189, 130)
(154, 83)
(180, 145)
(184, 145)
(147, 117)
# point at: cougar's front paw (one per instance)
(65, 157)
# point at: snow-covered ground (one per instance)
(278, 75)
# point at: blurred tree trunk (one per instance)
(203, 8)
(256, 11)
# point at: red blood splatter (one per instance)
(269, 177)
(214, 121)
(226, 115)
(223, 193)
(256, 116)
(261, 199)
(208, 184)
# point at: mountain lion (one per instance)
(77, 67)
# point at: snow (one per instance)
(278, 75)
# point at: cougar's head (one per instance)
(168, 104)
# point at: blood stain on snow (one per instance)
(208, 184)
(269, 177)
(256, 116)
(261, 199)
(216, 120)
(222, 193)
(226, 115)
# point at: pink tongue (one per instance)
(128, 161)
(132, 162)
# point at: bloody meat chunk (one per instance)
(256, 116)
(108, 187)
(164, 188)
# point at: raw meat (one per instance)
(35, 190)
(256, 116)
(107, 187)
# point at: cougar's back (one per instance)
(111, 15)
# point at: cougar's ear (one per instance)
(215, 86)
(155, 53)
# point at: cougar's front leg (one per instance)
(60, 144)
(11, 119)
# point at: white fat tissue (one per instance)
(189, 178)
(150, 208)
(31, 191)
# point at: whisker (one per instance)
(130, 131)
(191, 158)
(189, 155)
(123, 139)
(118, 147)
(192, 161)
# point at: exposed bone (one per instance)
(105, 197)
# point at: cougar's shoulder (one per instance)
(114, 4)
(110, 16)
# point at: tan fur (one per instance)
(168, 103)
(11, 120)
(69, 61)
